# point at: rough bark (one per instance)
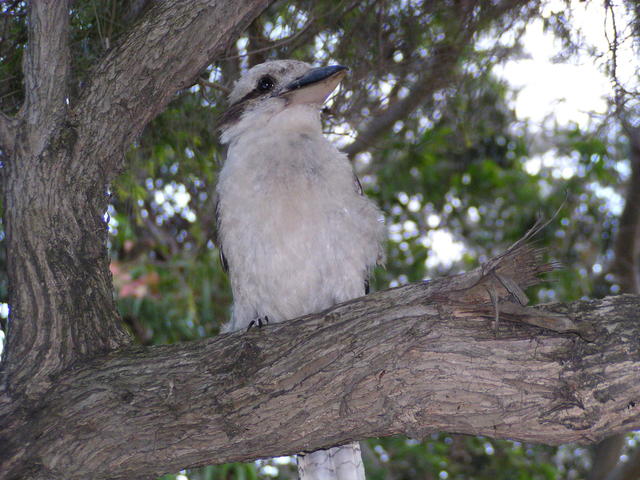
(61, 154)
(413, 360)
(170, 46)
(59, 287)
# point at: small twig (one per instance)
(537, 227)
(614, 44)
(215, 85)
(280, 43)
(95, 13)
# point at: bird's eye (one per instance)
(265, 83)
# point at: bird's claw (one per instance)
(260, 322)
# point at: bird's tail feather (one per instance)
(337, 463)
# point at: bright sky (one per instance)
(568, 91)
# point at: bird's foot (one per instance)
(260, 322)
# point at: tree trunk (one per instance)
(60, 153)
(63, 152)
(60, 290)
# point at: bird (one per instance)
(296, 233)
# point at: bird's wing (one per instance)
(358, 185)
(218, 241)
(380, 261)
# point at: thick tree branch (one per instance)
(411, 360)
(46, 69)
(172, 43)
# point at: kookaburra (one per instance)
(295, 231)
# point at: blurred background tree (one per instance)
(428, 117)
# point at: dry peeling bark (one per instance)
(412, 360)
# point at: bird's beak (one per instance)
(314, 86)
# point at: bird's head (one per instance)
(275, 88)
